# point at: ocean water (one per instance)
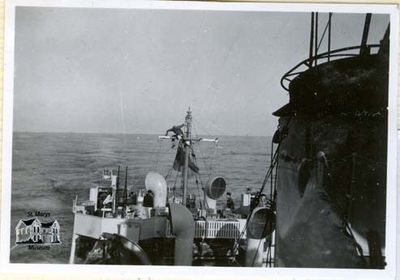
(50, 169)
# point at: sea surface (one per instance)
(50, 169)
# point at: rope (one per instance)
(208, 167)
(258, 248)
(217, 129)
(274, 160)
(274, 163)
(258, 195)
(272, 183)
(323, 35)
(174, 186)
(168, 174)
(205, 165)
(156, 157)
(198, 189)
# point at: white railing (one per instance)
(217, 229)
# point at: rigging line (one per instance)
(168, 174)
(214, 156)
(197, 123)
(197, 176)
(236, 242)
(157, 156)
(246, 225)
(258, 197)
(269, 172)
(258, 248)
(160, 152)
(268, 261)
(194, 129)
(244, 229)
(199, 152)
(176, 179)
(203, 158)
(202, 187)
(275, 180)
(269, 253)
(270, 169)
(218, 130)
(207, 164)
(268, 239)
(272, 151)
(323, 34)
(273, 162)
(272, 199)
(198, 179)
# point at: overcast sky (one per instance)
(137, 71)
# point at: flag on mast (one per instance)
(180, 160)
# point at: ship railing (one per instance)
(215, 229)
(324, 57)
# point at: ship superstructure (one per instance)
(120, 225)
(332, 137)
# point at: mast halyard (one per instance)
(187, 144)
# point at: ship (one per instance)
(166, 225)
(322, 203)
(332, 146)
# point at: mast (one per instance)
(364, 39)
(187, 142)
(329, 36)
(311, 41)
(316, 39)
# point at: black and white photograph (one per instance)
(200, 135)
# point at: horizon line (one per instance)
(129, 133)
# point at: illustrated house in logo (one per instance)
(34, 231)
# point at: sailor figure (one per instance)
(176, 129)
(132, 200)
(148, 200)
(229, 201)
(148, 203)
